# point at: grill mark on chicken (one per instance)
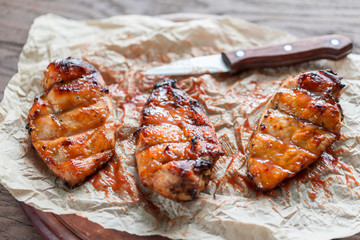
(72, 124)
(307, 107)
(176, 144)
(300, 121)
(294, 131)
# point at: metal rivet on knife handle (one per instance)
(288, 47)
(335, 42)
(240, 53)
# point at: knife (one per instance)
(331, 47)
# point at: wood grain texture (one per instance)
(302, 18)
(302, 50)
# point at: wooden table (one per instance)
(302, 18)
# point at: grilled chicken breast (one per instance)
(176, 144)
(300, 121)
(72, 124)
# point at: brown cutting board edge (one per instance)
(73, 227)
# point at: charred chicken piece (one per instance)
(72, 124)
(300, 121)
(176, 144)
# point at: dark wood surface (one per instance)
(302, 18)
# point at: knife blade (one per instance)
(331, 47)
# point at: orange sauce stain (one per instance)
(343, 137)
(358, 194)
(236, 181)
(317, 184)
(246, 126)
(339, 151)
(233, 178)
(286, 186)
(328, 163)
(72, 197)
(254, 98)
(112, 179)
(195, 89)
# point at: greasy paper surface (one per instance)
(120, 47)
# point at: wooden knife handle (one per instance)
(329, 47)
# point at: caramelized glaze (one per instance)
(300, 121)
(176, 144)
(72, 124)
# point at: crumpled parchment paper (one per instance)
(324, 204)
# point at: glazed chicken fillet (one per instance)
(72, 123)
(301, 120)
(176, 144)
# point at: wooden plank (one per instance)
(13, 222)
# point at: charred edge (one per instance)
(66, 66)
(329, 95)
(36, 113)
(221, 153)
(80, 65)
(28, 128)
(105, 90)
(166, 82)
(250, 176)
(179, 97)
(66, 143)
(313, 75)
(194, 104)
(337, 104)
(342, 85)
(262, 126)
(330, 71)
(167, 150)
(137, 132)
(196, 109)
(193, 193)
(341, 111)
(216, 153)
(194, 141)
(36, 98)
(332, 76)
(202, 165)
